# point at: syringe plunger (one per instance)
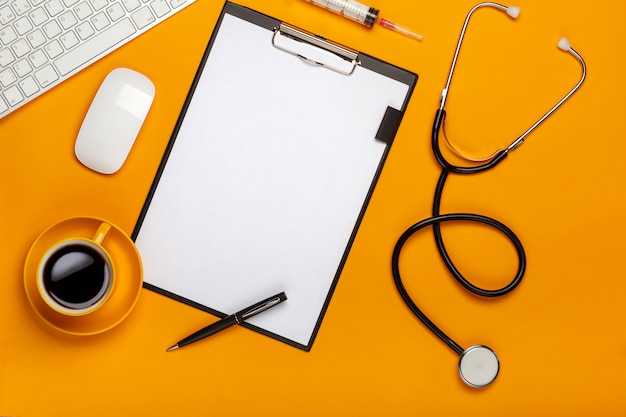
(351, 9)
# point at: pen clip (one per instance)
(259, 308)
(314, 49)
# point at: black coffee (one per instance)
(76, 276)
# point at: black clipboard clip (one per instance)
(315, 49)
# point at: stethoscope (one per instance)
(478, 364)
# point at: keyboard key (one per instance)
(38, 58)
(115, 11)
(3, 105)
(69, 3)
(7, 77)
(13, 96)
(7, 35)
(22, 67)
(20, 48)
(143, 17)
(36, 38)
(84, 30)
(131, 5)
(67, 20)
(100, 21)
(54, 7)
(98, 4)
(177, 3)
(46, 76)
(6, 57)
(83, 10)
(69, 40)
(21, 6)
(53, 49)
(38, 16)
(95, 46)
(22, 25)
(6, 15)
(28, 86)
(160, 7)
(52, 29)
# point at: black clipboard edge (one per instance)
(404, 76)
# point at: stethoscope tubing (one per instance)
(476, 218)
(435, 221)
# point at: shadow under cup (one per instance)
(75, 277)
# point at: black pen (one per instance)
(237, 318)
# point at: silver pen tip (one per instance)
(172, 348)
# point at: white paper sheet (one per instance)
(266, 181)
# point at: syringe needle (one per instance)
(390, 25)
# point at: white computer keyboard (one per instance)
(44, 42)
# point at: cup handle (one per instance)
(102, 233)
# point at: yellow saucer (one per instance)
(126, 288)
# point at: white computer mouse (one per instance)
(113, 120)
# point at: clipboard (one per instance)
(268, 173)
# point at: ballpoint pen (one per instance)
(237, 318)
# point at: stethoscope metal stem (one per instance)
(444, 92)
(520, 139)
(517, 142)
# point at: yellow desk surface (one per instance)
(560, 336)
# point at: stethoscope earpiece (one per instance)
(513, 11)
(478, 366)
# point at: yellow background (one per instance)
(560, 336)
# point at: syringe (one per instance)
(363, 14)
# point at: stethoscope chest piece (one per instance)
(479, 366)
